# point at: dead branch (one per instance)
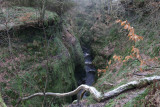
(90, 89)
(131, 85)
(98, 96)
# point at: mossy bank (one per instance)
(42, 56)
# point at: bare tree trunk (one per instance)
(47, 68)
(43, 9)
(7, 20)
(9, 42)
(109, 6)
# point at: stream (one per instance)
(89, 68)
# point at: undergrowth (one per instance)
(25, 72)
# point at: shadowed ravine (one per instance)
(89, 68)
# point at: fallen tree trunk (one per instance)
(98, 96)
(131, 85)
(90, 89)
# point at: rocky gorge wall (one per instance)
(61, 61)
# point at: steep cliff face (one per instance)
(72, 43)
(39, 55)
(88, 21)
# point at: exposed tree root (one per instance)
(98, 96)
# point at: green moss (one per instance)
(90, 100)
(156, 51)
(151, 35)
(19, 12)
(111, 103)
(2, 104)
(99, 62)
(137, 101)
(113, 34)
(63, 57)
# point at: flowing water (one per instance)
(89, 68)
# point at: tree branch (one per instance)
(131, 85)
(96, 94)
(91, 89)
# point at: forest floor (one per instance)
(15, 17)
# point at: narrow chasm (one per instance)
(89, 68)
(79, 53)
